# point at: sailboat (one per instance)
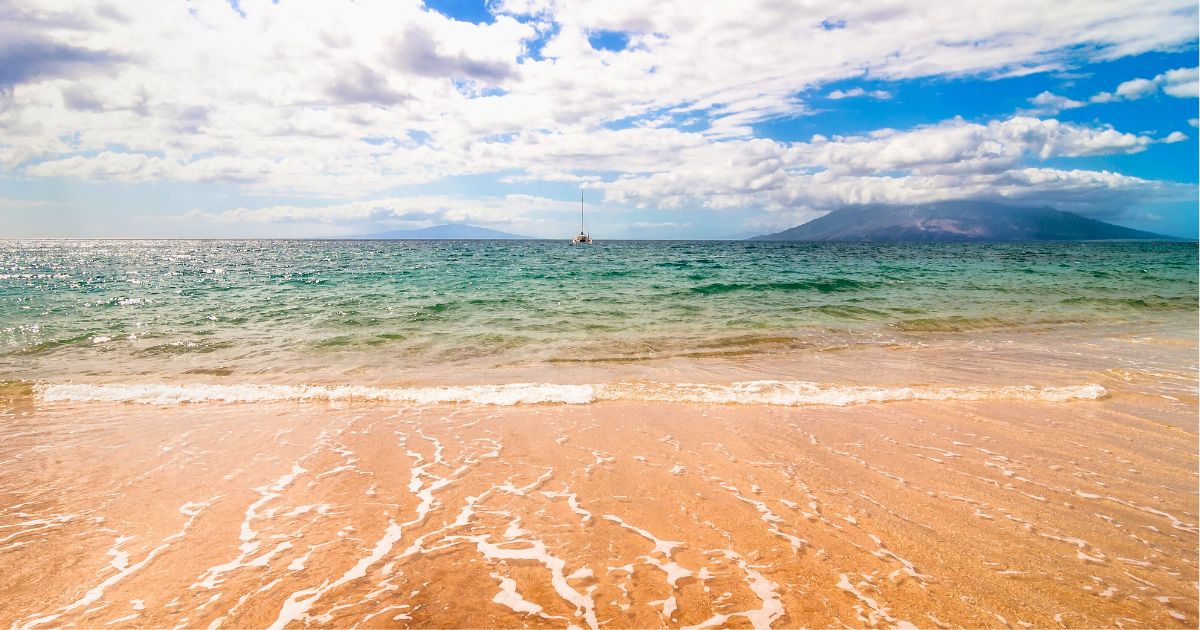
(582, 238)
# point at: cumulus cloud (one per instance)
(1050, 103)
(957, 146)
(79, 97)
(1135, 89)
(950, 160)
(352, 99)
(360, 84)
(23, 60)
(418, 52)
(413, 211)
(1180, 83)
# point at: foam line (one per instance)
(162, 394)
(784, 393)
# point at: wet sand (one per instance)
(991, 513)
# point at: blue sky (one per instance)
(309, 119)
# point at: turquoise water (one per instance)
(84, 309)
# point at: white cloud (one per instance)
(958, 146)
(880, 95)
(1050, 103)
(1135, 89)
(350, 99)
(1175, 136)
(421, 210)
(1180, 83)
(953, 159)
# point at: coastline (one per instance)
(482, 314)
(884, 441)
(978, 511)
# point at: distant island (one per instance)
(450, 231)
(955, 221)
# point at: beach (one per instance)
(479, 314)
(1077, 509)
(938, 469)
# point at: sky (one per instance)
(677, 119)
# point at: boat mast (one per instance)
(581, 211)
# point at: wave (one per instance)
(833, 285)
(958, 323)
(955, 323)
(846, 311)
(54, 344)
(1148, 303)
(781, 393)
(202, 346)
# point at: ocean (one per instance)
(424, 312)
(289, 434)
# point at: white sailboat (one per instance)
(582, 238)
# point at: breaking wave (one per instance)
(782, 393)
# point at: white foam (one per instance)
(665, 547)
(300, 602)
(572, 502)
(211, 578)
(798, 393)
(784, 393)
(585, 606)
(120, 562)
(876, 611)
(162, 394)
(772, 520)
(766, 590)
(669, 606)
(508, 596)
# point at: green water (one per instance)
(228, 308)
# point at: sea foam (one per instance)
(782, 393)
(162, 394)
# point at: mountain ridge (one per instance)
(955, 221)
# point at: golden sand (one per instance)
(617, 514)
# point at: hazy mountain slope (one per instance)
(954, 221)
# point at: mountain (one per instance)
(954, 221)
(442, 232)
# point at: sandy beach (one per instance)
(1047, 511)
(599, 315)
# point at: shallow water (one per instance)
(378, 312)
(947, 513)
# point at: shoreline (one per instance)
(1036, 477)
(974, 513)
(921, 357)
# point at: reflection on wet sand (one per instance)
(946, 513)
